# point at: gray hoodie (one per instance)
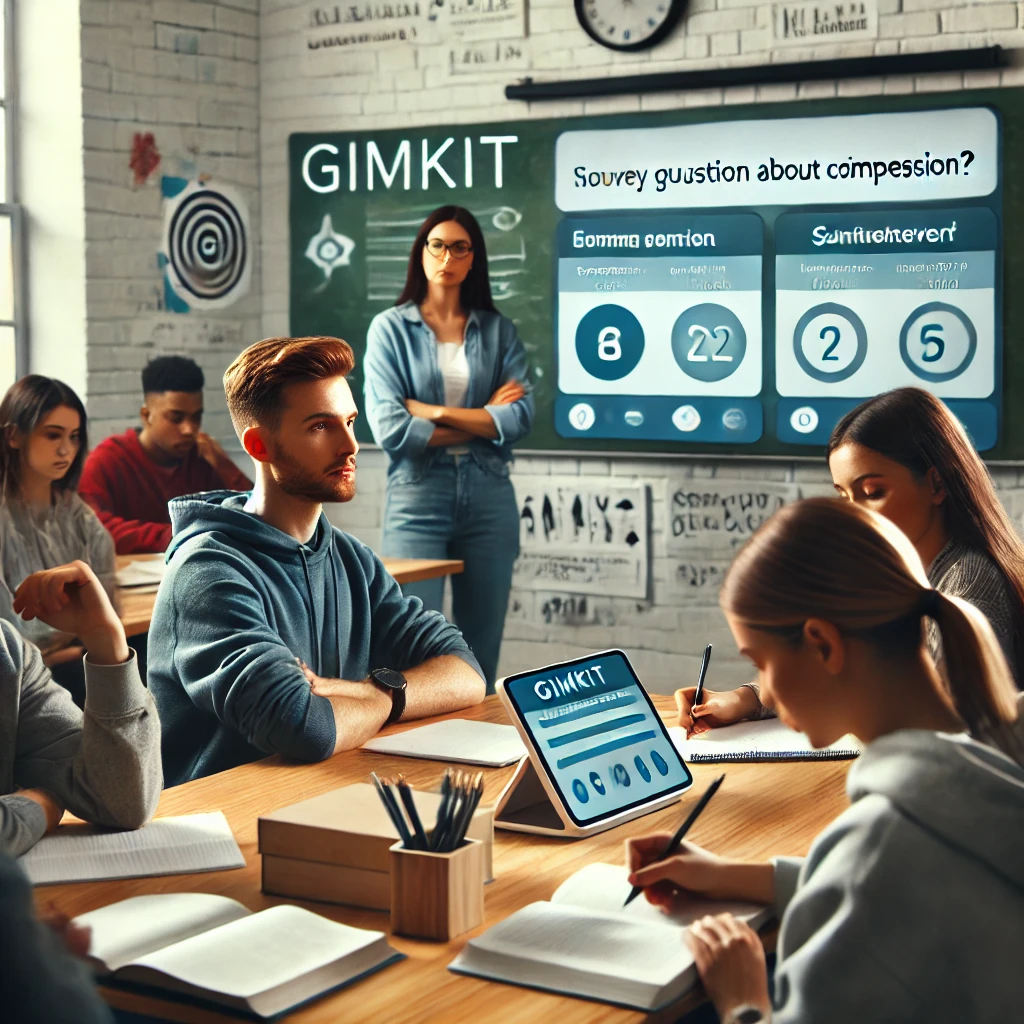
(910, 906)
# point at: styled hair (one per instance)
(171, 373)
(840, 562)
(475, 291)
(254, 381)
(917, 430)
(26, 404)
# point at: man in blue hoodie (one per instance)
(274, 632)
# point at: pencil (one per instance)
(391, 806)
(698, 695)
(674, 842)
(410, 805)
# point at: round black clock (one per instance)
(629, 24)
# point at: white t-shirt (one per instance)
(451, 360)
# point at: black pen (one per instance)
(699, 692)
(410, 805)
(674, 842)
(391, 805)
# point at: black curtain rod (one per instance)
(979, 59)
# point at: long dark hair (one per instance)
(915, 429)
(475, 292)
(854, 568)
(24, 407)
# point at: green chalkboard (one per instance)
(349, 243)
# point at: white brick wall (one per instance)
(187, 72)
(406, 86)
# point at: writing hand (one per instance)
(719, 707)
(71, 599)
(730, 960)
(691, 871)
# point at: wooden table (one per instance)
(137, 602)
(763, 809)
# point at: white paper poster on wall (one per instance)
(824, 21)
(345, 28)
(582, 536)
(480, 19)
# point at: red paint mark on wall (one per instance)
(145, 158)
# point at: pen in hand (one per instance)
(676, 840)
(698, 694)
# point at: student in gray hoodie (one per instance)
(273, 631)
(910, 906)
(102, 765)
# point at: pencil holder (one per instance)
(437, 895)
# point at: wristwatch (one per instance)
(746, 1014)
(392, 681)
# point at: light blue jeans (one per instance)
(457, 509)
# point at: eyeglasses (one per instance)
(459, 250)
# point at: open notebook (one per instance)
(768, 740)
(142, 573)
(585, 943)
(214, 949)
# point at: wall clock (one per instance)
(629, 24)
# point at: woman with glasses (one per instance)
(447, 396)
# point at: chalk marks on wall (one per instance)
(390, 234)
(329, 249)
(582, 536)
(718, 516)
(206, 250)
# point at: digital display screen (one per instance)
(601, 741)
(725, 282)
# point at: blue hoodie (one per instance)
(242, 600)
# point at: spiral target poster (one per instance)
(206, 246)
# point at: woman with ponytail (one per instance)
(910, 906)
(906, 456)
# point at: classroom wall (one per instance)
(408, 84)
(187, 73)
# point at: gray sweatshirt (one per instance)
(910, 905)
(103, 765)
(32, 539)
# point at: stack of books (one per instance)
(334, 847)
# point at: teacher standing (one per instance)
(447, 396)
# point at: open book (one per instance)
(142, 573)
(213, 948)
(585, 943)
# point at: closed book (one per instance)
(350, 826)
(329, 883)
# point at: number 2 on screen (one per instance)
(700, 335)
(827, 354)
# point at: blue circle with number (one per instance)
(938, 342)
(708, 342)
(609, 342)
(823, 330)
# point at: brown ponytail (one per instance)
(837, 561)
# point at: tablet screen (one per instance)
(594, 727)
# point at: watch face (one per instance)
(628, 24)
(389, 677)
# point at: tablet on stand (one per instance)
(598, 753)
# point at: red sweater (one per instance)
(130, 492)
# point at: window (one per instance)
(12, 333)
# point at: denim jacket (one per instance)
(401, 363)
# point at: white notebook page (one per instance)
(767, 740)
(166, 846)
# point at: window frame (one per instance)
(11, 207)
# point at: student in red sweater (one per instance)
(128, 479)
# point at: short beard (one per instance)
(298, 482)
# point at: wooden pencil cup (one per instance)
(437, 895)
